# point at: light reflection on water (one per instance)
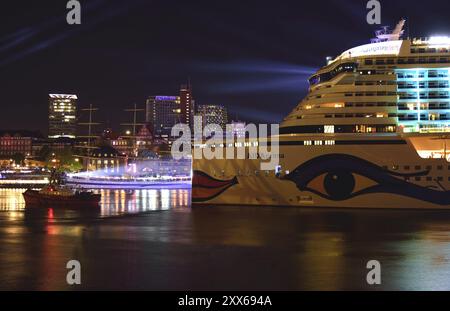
(113, 203)
(118, 202)
(222, 248)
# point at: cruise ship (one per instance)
(372, 132)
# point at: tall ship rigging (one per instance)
(372, 132)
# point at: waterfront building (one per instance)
(62, 115)
(123, 144)
(144, 137)
(106, 159)
(144, 141)
(17, 142)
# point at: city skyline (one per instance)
(250, 65)
(66, 119)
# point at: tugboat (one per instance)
(56, 194)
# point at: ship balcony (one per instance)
(349, 97)
(320, 110)
(339, 121)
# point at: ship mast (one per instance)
(89, 124)
(134, 124)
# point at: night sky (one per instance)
(251, 56)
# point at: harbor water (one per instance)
(154, 240)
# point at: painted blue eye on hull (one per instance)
(339, 172)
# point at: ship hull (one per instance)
(112, 184)
(386, 174)
(35, 199)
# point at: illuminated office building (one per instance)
(62, 115)
(163, 112)
(187, 105)
(213, 114)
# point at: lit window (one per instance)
(329, 129)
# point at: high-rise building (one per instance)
(213, 114)
(62, 115)
(187, 104)
(163, 112)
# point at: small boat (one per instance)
(57, 195)
(51, 196)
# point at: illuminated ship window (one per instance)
(329, 129)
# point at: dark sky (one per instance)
(251, 56)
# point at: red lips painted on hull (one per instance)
(205, 187)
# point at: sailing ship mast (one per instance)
(134, 124)
(89, 124)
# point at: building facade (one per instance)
(213, 114)
(187, 105)
(62, 115)
(163, 112)
(16, 142)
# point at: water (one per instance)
(152, 239)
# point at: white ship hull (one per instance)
(128, 184)
(386, 174)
